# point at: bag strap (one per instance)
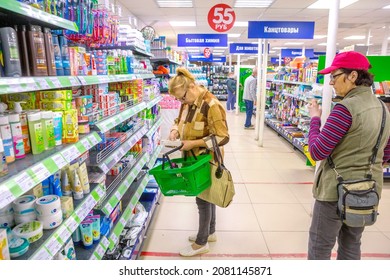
(217, 156)
(165, 156)
(374, 151)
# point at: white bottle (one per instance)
(17, 135)
(6, 135)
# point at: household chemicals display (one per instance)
(48, 129)
(6, 135)
(25, 135)
(9, 52)
(36, 43)
(57, 56)
(17, 135)
(64, 54)
(49, 49)
(36, 133)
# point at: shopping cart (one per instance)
(187, 176)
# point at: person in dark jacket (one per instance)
(231, 90)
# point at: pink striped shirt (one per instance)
(322, 143)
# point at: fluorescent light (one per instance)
(182, 23)
(271, 51)
(252, 3)
(322, 44)
(355, 37)
(293, 43)
(386, 7)
(175, 3)
(319, 36)
(240, 24)
(325, 4)
(278, 48)
(364, 44)
(233, 35)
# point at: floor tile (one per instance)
(270, 193)
(237, 217)
(286, 244)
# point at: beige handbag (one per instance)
(221, 191)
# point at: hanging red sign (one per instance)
(221, 17)
(207, 52)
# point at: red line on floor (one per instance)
(271, 256)
(276, 183)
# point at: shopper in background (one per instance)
(231, 90)
(250, 89)
(200, 115)
(348, 136)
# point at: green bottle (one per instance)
(48, 129)
(36, 132)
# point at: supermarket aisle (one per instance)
(270, 215)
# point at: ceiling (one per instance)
(360, 18)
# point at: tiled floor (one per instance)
(270, 215)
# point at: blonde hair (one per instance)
(182, 80)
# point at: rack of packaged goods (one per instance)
(217, 79)
(287, 113)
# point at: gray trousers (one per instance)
(325, 227)
(206, 212)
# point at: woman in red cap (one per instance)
(348, 136)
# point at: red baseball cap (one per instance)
(348, 60)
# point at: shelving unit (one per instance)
(25, 174)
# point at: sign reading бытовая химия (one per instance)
(281, 29)
(202, 40)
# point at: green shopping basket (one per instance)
(187, 176)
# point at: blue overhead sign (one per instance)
(245, 48)
(202, 40)
(219, 59)
(297, 52)
(201, 57)
(275, 60)
(281, 29)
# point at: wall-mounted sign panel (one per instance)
(297, 52)
(202, 40)
(281, 29)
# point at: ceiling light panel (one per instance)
(319, 36)
(386, 7)
(252, 3)
(293, 43)
(175, 3)
(233, 35)
(355, 37)
(325, 4)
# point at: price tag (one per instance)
(108, 208)
(59, 160)
(105, 242)
(53, 246)
(42, 254)
(118, 196)
(73, 81)
(63, 233)
(83, 211)
(6, 197)
(114, 238)
(100, 251)
(71, 223)
(43, 84)
(56, 82)
(100, 191)
(104, 168)
(25, 182)
(93, 139)
(221, 17)
(90, 203)
(74, 152)
(41, 172)
(94, 257)
(122, 221)
(86, 143)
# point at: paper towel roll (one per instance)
(48, 205)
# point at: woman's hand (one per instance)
(173, 135)
(187, 145)
(314, 109)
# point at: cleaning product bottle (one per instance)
(49, 49)
(57, 56)
(64, 54)
(3, 162)
(58, 128)
(6, 135)
(36, 43)
(24, 124)
(23, 50)
(17, 136)
(36, 133)
(10, 52)
(48, 129)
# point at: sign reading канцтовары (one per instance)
(281, 29)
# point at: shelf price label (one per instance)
(40, 171)
(221, 17)
(42, 254)
(59, 160)
(25, 182)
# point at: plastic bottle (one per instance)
(23, 50)
(3, 162)
(36, 43)
(36, 133)
(24, 125)
(49, 49)
(48, 129)
(58, 128)
(64, 54)
(10, 52)
(17, 135)
(6, 135)
(57, 56)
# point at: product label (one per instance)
(14, 52)
(50, 132)
(58, 128)
(39, 136)
(17, 138)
